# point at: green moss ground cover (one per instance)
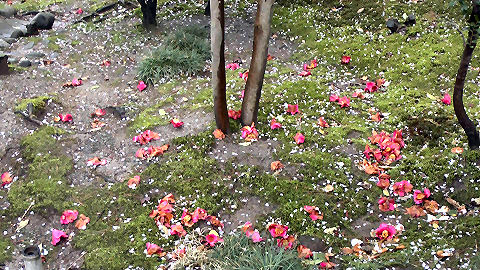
(418, 64)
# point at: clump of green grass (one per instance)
(184, 53)
(239, 252)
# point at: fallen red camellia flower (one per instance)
(276, 165)
(68, 216)
(346, 59)
(304, 252)
(96, 162)
(232, 66)
(65, 118)
(146, 136)
(344, 102)
(218, 134)
(305, 73)
(277, 230)
(155, 249)
(234, 114)
(292, 109)
(250, 133)
(299, 138)
(274, 124)
(323, 123)
(447, 99)
(98, 112)
(141, 86)
(133, 182)
(176, 123)
(6, 178)
(57, 235)
(82, 222)
(213, 238)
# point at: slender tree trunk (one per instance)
(467, 124)
(207, 9)
(261, 36)
(149, 12)
(218, 65)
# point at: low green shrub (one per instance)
(184, 52)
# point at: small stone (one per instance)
(393, 25)
(411, 20)
(4, 44)
(17, 33)
(42, 21)
(34, 55)
(12, 60)
(29, 45)
(8, 12)
(25, 63)
(10, 40)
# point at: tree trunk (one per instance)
(207, 9)
(3, 65)
(218, 65)
(467, 124)
(261, 36)
(149, 12)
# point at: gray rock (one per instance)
(10, 40)
(393, 25)
(12, 60)
(29, 45)
(17, 33)
(25, 63)
(8, 12)
(41, 21)
(34, 55)
(4, 44)
(411, 20)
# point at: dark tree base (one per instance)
(149, 12)
(207, 9)
(473, 140)
(3, 65)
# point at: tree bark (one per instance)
(218, 65)
(149, 12)
(467, 124)
(261, 36)
(207, 9)
(4, 65)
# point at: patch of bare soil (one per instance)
(251, 210)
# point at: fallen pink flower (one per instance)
(57, 235)
(299, 138)
(77, 82)
(96, 162)
(402, 188)
(133, 182)
(233, 66)
(292, 109)
(385, 231)
(68, 216)
(79, 11)
(256, 237)
(154, 249)
(334, 98)
(344, 102)
(419, 197)
(65, 118)
(274, 124)
(176, 123)
(6, 178)
(212, 239)
(371, 87)
(277, 230)
(447, 99)
(141, 86)
(234, 114)
(386, 204)
(346, 59)
(305, 73)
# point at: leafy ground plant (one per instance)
(183, 53)
(239, 252)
